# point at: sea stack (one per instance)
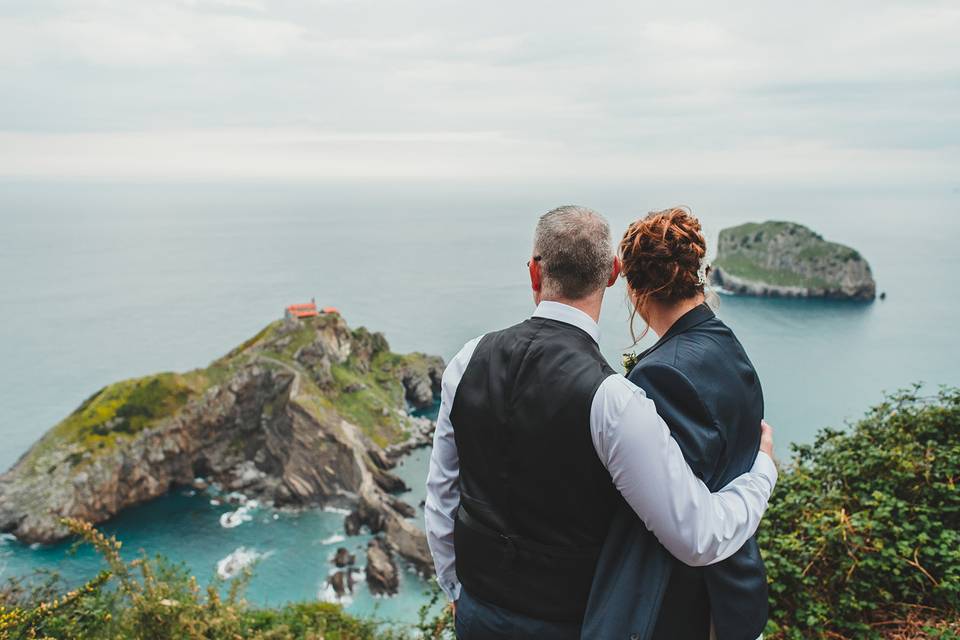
(785, 259)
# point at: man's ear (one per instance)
(615, 271)
(536, 277)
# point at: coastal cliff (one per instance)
(306, 413)
(785, 259)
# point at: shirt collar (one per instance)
(565, 313)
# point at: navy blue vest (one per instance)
(708, 392)
(536, 502)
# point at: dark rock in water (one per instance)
(376, 512)
(784, 259)
(265, 419)
(342, 582)
(344, 558)
(366, 515)
(403, 508)
(382, 576)
(352, 523)
(390, 483)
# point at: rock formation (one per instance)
(343, 558)
(784, 259)
(382, 576)
(298, 415)
(342, 582)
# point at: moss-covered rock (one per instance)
(786, 259)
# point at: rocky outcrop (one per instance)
(342, 583)
(343, 558)
(273, 419)
(382, 576)
(784, 259)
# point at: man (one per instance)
(538, 441)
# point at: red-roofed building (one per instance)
(302, 310)
(308, 310)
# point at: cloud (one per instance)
(470, 156)
(259, 88)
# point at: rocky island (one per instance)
(306, 413)
(785, 259)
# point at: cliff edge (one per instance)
(307, 412)
(785, 259)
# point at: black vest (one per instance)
(536, 501)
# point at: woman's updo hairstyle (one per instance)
(662, 257)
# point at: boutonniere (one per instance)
(629, 361)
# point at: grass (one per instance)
(829, 250)
(744, 248)
(770, 226)
(372, 407)
(743, 267)
(120, 411)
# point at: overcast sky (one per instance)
(755, 90)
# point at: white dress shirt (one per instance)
(644, 461)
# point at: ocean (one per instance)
(105, 281)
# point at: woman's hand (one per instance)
(766, 438)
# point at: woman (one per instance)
(708, 392)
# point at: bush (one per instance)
(862, 535)
(152, 599)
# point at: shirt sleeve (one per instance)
(443, 480)
(696, 526)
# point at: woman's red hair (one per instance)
(662, 256)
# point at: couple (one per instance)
(567, 501)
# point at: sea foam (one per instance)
(238, 560)
(232, 519)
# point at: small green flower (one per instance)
(629, 361)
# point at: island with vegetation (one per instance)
(861, 540)
(305, 413)
(785, 259)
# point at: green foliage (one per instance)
(863, 530)
(745, 251)
(744, 267)
(359, 398)
(37, 611)
(306, 620)
(370, 396)
(366, 388)
(152, 599)
(118, 411)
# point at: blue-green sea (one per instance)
(104, 281)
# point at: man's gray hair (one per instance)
(575, 252)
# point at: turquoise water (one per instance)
(100, 282)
